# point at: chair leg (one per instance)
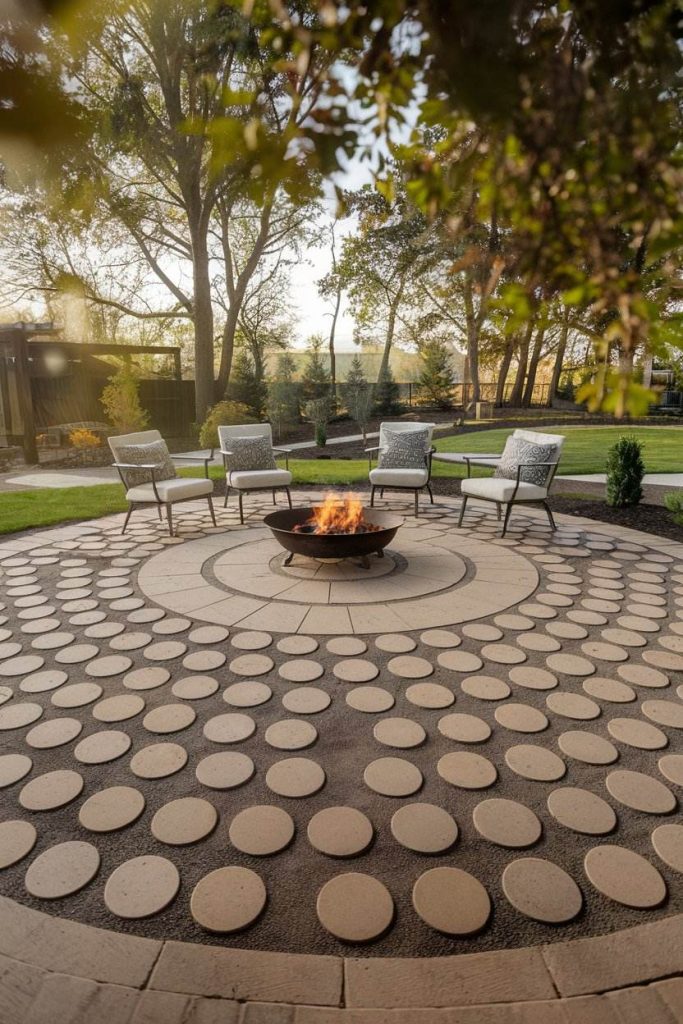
(463, 506)
(551, 520)
(241, 497)
(289, 497)
(381, 493)
(431, 496)
(131, 506)
(372, 497)
(498, 509)
(227, 492)
(508, 510)
(416, 502)
(274, 498)
(159, 513)
(213, 514)
(169, 516)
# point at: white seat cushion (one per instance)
(177, 489)
(499, 489)
(398, 477)
(253, 479)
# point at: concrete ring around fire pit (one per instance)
(426, 579)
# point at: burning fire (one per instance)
(339, 513)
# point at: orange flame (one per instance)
(340, 513)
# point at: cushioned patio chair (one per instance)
(404, 460)
(249, 461)
(148, 474)
(523, 474)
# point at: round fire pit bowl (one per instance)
(332, 545)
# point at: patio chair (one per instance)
(404, 460)
(523, 475)
(148, 474)
(249, 461)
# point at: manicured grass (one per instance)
(584, 451)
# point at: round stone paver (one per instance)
(183, 821)
(146, 678)
(570, 665)
(464, 728)
(485, 688)
(643, 675)
(430, 695)
(624, 876)
(13, 767)
(204, 661)
(668, 843)
(17, 839)
(467, 770)
(53, 733)
(440, 638)
(521, 718)
(506, 823)
(247, 695)
(291, 734)
(169, 718)
(228, 899)
(62, 870)
(340, 831)
(295, 777)
(671, 767)
(665, 712)
(395, 643)
(18, 716)
(118, 709)
(532, 678)
(451, 901)
(641, 792)
(370, 699)
(252, 665)
(355, 670)
(225, 770)
(536, 763)
(572, 705)
(112, 665)
(609, 689)
(158, 761)
(297, 645)
(355, 907)
(346, 646)
(194, 687)
(587, 746)
(636, 733)
(101, 747)
(232, 727)
(76, 695)
(424, 828)
(40, 682)
(141, 887)
(209, 635)
(399, 732)
(306, 700)
(51, 790)
(261, 830)
(251, 640)
(406, 666)
(167, 650)
(581, 811)
(393, 776)
(460, 661)
(541, 890)
(111, 809)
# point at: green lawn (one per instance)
(584, 452)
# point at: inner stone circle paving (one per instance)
(472, 740)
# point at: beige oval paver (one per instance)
(541, 890)
(346, 646)
(609, 689)
(169, 626)
(451, 901)
(291, 734)
(304, 670)
(641, 792)
(251, 640)
(424, 828)
(587, 746)
(40, 682)
(13, 767)
(370, 699)
(209, 635)
(624, 876)
(119, 708)
(485, 688)
(506, 823)
(460, 661)
(664, 712)
(101, 747)
(671, 767)
(169, 718)
(158, 761)
(62, 870)
(53, 733)
(231, 727)
(225, 770)
(441, 638)
(76, 695)
(194, 687)
(204, 661)
(643, 675)
(355, 907)
(535, 763)
(581, 811)
(467, 770)
(483, 631)
(247, 695)
(570, 665)
(295, 777)
(520, 718)
(399, 732)
(17, 839)
(430, 695)
(252, 665)
(572, 705)
(356, 670)
(503, 654)
(668, 843)
(18, 716)
(306, 700)
(147, 678)
(184, 821)
(297, 645)
(636, 733)
(228, 899)
(51, 790)
(141, 887)
(464, 728)
(111, 809)
(167, 650)
(532, 678)
(395, 643)
(261, 830)
(111, 665)
(340, 831)
(393, 776)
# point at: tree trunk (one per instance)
(472, 325)
(389, 338)
(203, 327)
(559, 358)
(533, 367)
(518, 386)
(227, 350)
(333, 355)
(503, 372)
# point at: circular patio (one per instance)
(473, 745)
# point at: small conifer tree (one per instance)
(121, 402)
(625, 472)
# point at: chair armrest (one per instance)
(206, 459)
(549, 479)
(283, 451)
(135, 465)
(374, 449)
(224, 451)
(476, 459)
(132, 465)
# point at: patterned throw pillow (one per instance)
(153, 454)
(249, 453)
(516, 451)
(404, 450)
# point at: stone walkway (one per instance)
(469, 755)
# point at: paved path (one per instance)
(652, 479)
